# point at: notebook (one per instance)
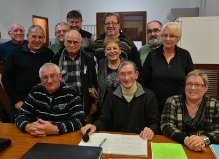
(4, 143)
(215, 150)
(61, 151)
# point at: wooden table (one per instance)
(21, 142)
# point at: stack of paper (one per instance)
(118, 144)
(167, 151)
(215, 150)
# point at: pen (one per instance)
(102, 142)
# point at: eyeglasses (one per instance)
(52, 76)
(72, 42)
(196, 85)
(61, 31)
(150, 31)
(124, 74)
(111, 23)
(171, 36)
(18, 30)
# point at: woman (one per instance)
(193, 118)
(107, 67)
(165, 68)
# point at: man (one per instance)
(130, 108)
(52, 107)
(74, 19)
(20, 72)
(78, 68)
(153, 39)
(60, 30)
(112, 28)
(16, 32)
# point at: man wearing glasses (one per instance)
(78, 69)
(153, 39)
(112, 28)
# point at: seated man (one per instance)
(130, 108)
(192, 119)
(52, 107)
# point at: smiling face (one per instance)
(112, 26)
(17, 33)
(127, 75)
(112, 51)
(195, 88)
(61, 29)
(35, 39)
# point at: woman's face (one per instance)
(195, 88)
(112, 51)
(169, 38)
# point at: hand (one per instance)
(195, 143)
(19, 104)
(1, 84)
(93, 92)
(93, 108)
(87, 127)
(32, 129)
(147, 133)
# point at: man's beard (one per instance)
(153, 42)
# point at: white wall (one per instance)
(22, 10)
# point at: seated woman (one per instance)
(107, 67)
(192, 119)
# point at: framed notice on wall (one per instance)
(43, 22)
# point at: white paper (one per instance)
(118, 144)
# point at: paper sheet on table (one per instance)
(167, 151)
(118, 144)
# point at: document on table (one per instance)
(132, 145)
(167, 151)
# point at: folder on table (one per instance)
(167, 151)
(62, 151)
(4, 143)
(215, 150)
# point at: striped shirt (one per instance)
(173, 121)
(62, 108)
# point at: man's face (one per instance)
(75, 24)
(17, 34)
(112, 26)
(153, 34)
(35, 39)
(127, 76)
(50, 79)
(60, 32)
(72, 43)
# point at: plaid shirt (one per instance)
(173, 126)
(71, 70)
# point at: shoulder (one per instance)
(85, 34)
(182, 51)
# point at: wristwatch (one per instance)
(206, 140)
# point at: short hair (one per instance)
(30, 29)
(174, 26)
(109, 14)
(161, 25)
(127, 62)
(74, 14)
(200, 74)
(110, 39)
(61, 23)
(11, 26)
(74, 31)
(48, 65)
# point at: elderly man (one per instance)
(78, 69)
(74, 19)
(112, 28)
(130, 108)
(153, 39)
(20, 72)
(16, 32)
(60, 30)
(52, 107)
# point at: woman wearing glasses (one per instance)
(192, 119)
(165, 68)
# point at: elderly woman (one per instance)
(193, 118)
(107, 67)
(165, 68)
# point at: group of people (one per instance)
(148, 92)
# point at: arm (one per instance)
(189, 64)
(145, 78)
(169, 120)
